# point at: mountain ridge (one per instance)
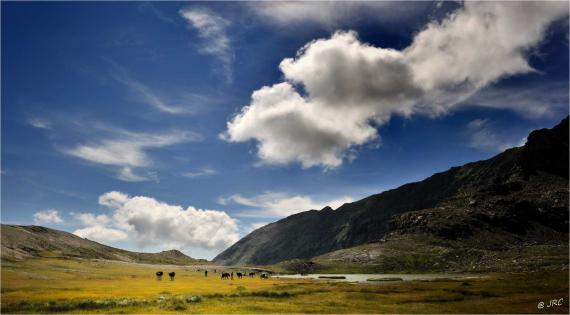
(541, 164)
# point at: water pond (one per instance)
(377, 278)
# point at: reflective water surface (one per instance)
(364, 277)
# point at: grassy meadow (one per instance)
(52, 285)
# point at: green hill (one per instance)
(21, 242)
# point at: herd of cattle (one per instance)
(225, 275)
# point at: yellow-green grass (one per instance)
(81, 286)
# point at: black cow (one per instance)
(159, 275)
(264, 276)
(239, 275)
(171, 275)
(252, 274)
(225, 275)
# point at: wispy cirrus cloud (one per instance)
(331, 14)
(212, 28)
(40, 123)
(536, 101)
(258, 225)
(483, 136)
(279, 204)
(150, 7)
(204, 172)
(145, 94)
(127, 151)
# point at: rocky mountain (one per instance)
(20, 242)
(517, 198)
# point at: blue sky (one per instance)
(148, 101)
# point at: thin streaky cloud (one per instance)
(127, 151)
(331, 14)
(40, 123)
(212, 29)
(145, 93)
(279, 204)
(483, 136)
(205, 172)
(149, 7)
(532, 102)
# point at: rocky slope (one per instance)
(515, 198)
(21, 242)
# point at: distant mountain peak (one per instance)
(173, 252)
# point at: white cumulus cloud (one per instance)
(351, 87)
(278, 204)
(47, 216)
(150, 222)
(101, 233)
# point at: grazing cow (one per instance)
(171, 275)
(225, 275)
(264, 276)
(252, 274)
(239, 275)
(159, 275)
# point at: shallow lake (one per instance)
(363, 277)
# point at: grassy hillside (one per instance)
(425, 254)
(21, 242)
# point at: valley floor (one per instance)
(46, 285)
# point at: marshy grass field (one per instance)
(47, 285)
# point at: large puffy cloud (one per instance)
(478, 45)
(153, 223)
(101, 233)
(350, 87)
(288, 128)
